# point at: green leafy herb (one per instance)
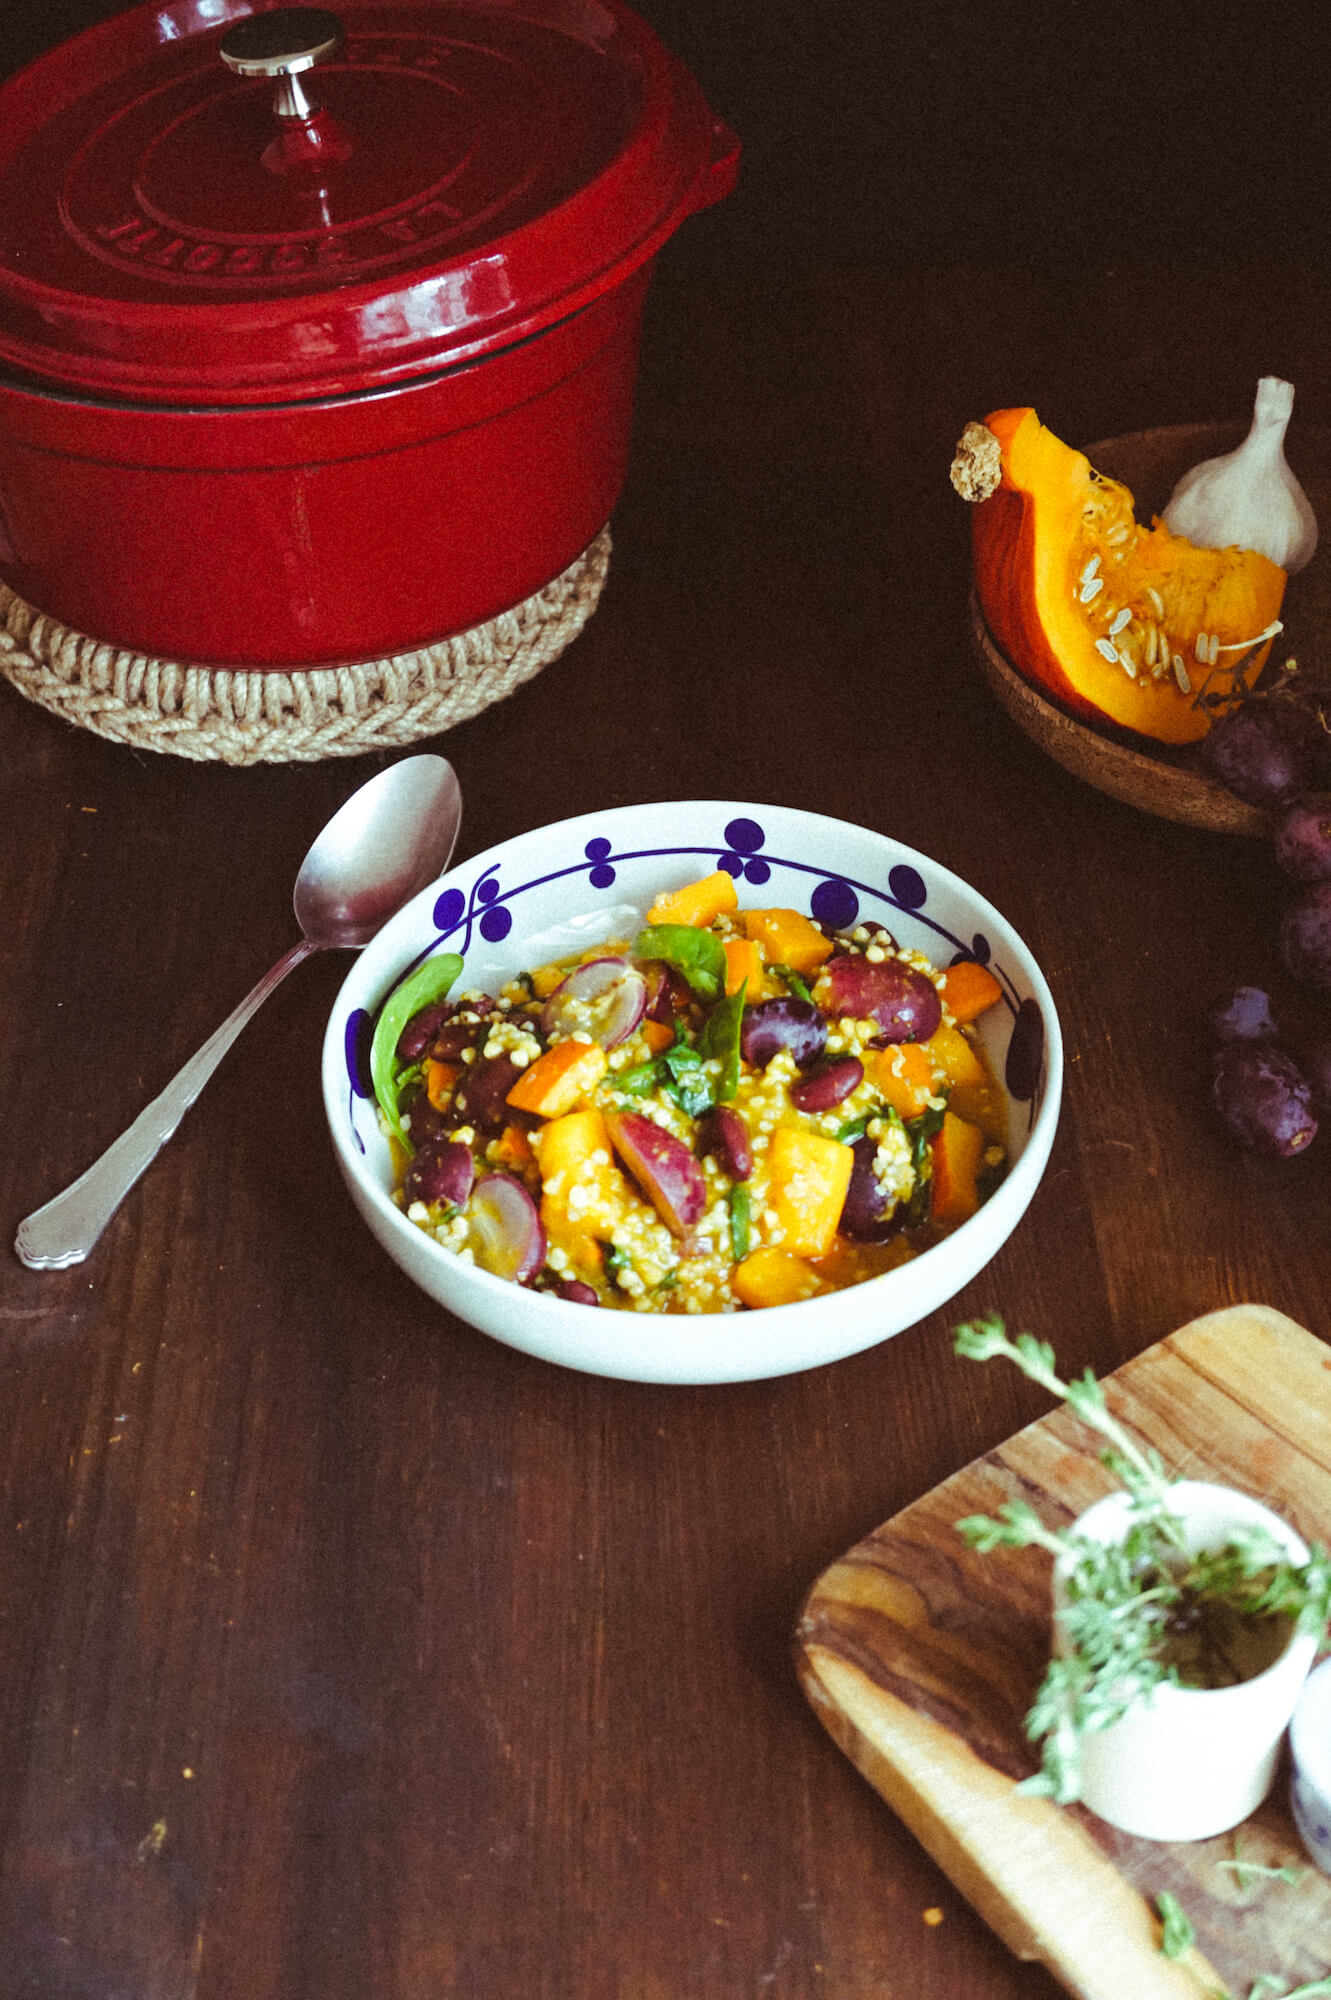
(1125, 1603)
(1246, 1872)
(855, 1128)
(685, 1079)
(421, 988)
(739, 1220)
(641, 1080)
(696, 954)
(719, 1041)
(793, 982)
(1177, 1935)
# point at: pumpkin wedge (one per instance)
(1117, 621)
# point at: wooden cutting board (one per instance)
(920, 1657)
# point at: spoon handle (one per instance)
(65, 1228)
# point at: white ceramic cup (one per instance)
(1191, 1762)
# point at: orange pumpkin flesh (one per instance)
(1060, 557)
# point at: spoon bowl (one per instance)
(390, 840)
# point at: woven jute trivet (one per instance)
(236, 715)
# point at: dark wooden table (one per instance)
(345, 1652)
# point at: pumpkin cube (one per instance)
(697, 903)
(788, 938)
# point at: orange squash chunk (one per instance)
(903, 1076)
(744, 962)
(808, 1176)
(950, 1052)
(774, 1278)
(968, 989)
(788, 938)
(955, 1152)
(559, 1079)
(584, 1192)
(1060, 558)
(697, 903)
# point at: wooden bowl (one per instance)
(1154, 777)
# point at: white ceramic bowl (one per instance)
(563, 887)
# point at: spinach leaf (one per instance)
(429, 982)
(739, 1220)
(641, 1080)
(697, 954)
(719, 1041)
(686, 1080)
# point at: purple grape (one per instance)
(504, 1229)
(442, 1171)
(727, 1136)
(902, 1001)
(663, 1168)
(1305, 936)
(606, 998)
(1243, 1016)
(774, 1025)
(867, 1214)
(1264, 1098)
(826, 1085)
(1264, 752)
(1303, 839)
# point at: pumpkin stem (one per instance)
(977, 469)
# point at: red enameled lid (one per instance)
(206, 203)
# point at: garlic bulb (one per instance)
(1249, 498)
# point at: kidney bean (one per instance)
(825, 1086)
(482, 1091)
(441, 1170)
(727, 1136)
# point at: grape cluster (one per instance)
(1275, 753)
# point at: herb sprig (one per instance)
(1125, 1602)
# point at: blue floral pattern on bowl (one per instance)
(486, 908)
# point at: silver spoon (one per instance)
(390, 839)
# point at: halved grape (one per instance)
(504, 1229)
(663, 1167)
(605, 999)
(785, 1023)
(903, 1002)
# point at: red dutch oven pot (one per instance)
(318, 334)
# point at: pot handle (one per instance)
(722, 169)
(285, 45)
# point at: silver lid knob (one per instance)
(283, 45)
